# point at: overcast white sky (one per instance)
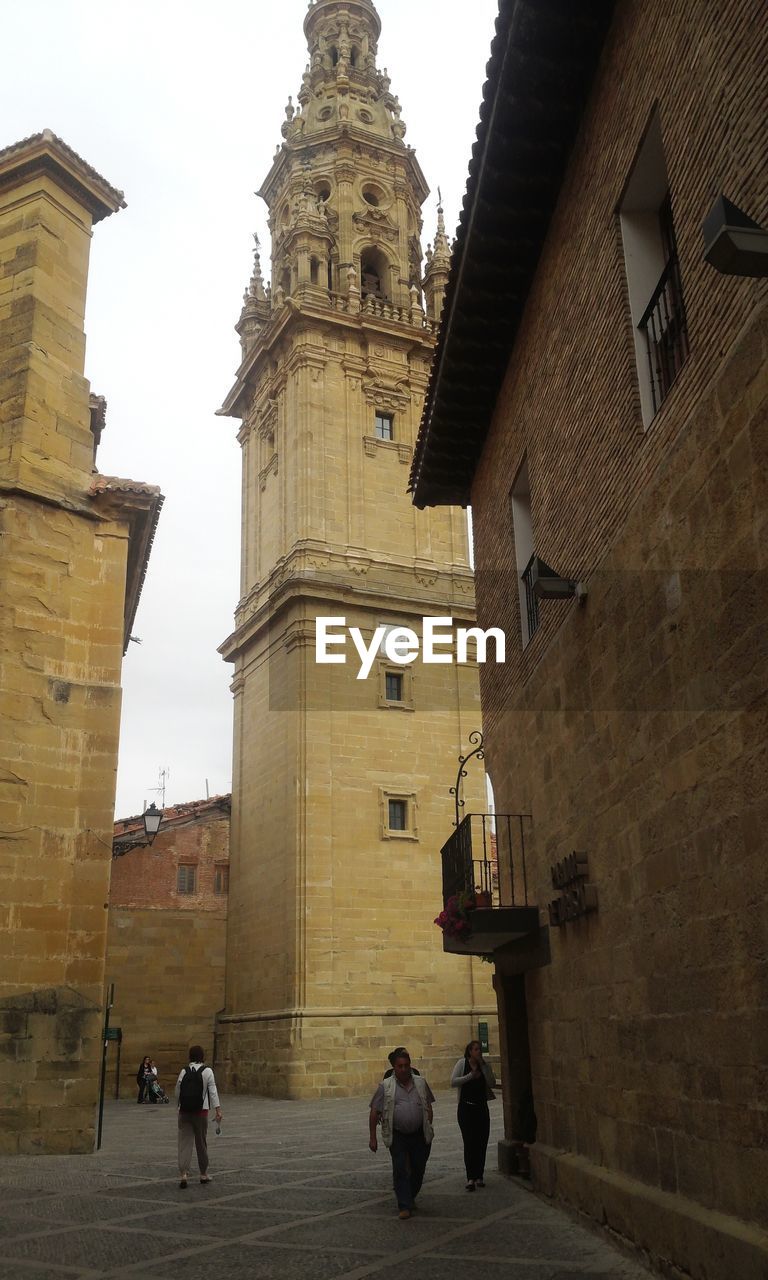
(179, 103)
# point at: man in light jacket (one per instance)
(403, 1104)
(196, 1093)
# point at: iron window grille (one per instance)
(531, 601)
(663, 322)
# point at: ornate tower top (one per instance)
(321, 11)
(341, 82)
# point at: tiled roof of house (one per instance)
(542, 63)
(185, 812)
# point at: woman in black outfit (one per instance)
(474, 1079)
(144, 1077)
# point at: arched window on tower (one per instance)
(330, 275)
(353, 56)
(334, 55)
(285, 280)
(374, 274)
(314, 271)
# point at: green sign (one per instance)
(115, 1033)
(482, 1035)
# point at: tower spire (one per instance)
(438, 266)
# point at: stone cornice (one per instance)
(341, 580)
(44, 154)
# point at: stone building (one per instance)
(74, 547)
(340, 785)
(600, 398)
(166, 938)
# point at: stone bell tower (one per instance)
(340, 785)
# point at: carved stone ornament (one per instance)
(267, 421)
(267, 471)
(386, 396)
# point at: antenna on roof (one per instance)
(207, 796)
(162, 776)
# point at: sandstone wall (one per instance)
(62, 591)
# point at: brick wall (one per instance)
(634, 727)
(165, 949)
(196, 835)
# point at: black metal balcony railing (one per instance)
(485, 856)
(531, 601)
(666, 333)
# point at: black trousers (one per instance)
(475, 1124)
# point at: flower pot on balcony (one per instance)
(482, 898)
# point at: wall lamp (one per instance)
(734, 243)
(151, 817)
(546, 584)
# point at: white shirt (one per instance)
(210, 1092)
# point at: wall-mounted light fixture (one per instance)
(734, 243)
(152, 818)
(546, 584)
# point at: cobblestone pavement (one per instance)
(296, 1194)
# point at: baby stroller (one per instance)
(157, 1092)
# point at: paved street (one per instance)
(296, 1195)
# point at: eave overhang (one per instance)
(543, 60)
(139, 506)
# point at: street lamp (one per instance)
(151, 817)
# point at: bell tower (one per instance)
(340, 784)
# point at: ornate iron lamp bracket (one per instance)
(476, 739)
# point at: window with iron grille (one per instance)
(663, 321)
(221, 880)
(522, 529)
(186, 878)
(384, 426)
(654, 281)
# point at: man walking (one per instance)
(196, 1093)
(403, 1103)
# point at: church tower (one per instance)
(341, 785)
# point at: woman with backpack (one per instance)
(196, 1093)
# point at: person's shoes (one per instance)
(404, 1213)
(182, 1184)
(470, 1186)
(205, 1181)
(479, 1182)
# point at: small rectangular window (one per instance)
(384, 426)
(221, 880)
(393, 687)
(186, 878)
(398, 815)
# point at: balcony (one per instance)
(484, 860)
